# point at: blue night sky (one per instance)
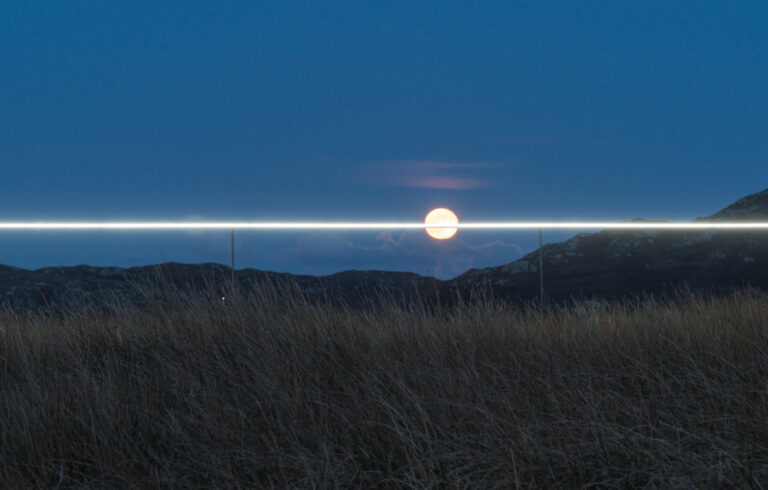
(321, 110)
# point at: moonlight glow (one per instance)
(441, 217)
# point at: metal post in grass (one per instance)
(541, 279)
(233, 260)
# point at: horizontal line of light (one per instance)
(245, 225)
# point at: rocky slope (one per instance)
(617, 263)
(607, 264)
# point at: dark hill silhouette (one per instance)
(607, 264)
(616, 263)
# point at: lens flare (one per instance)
(343, 225)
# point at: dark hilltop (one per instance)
(608, 264)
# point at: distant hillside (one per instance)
(607, 264)
(619, 262)
(56, 285)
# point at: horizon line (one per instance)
(306, 225)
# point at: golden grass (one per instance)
(273, 391)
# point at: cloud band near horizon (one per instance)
(429, 174)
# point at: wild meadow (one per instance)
(268, 390)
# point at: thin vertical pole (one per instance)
(541, 279)
(233, 260)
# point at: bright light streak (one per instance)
(289, 225)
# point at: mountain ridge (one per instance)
(614, 263)
(605, 264)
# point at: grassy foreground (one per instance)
(272, 391)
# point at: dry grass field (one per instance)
(272, 391)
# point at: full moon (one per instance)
(441, 217)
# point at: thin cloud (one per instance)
(431, 166)
(497, 243)
(440, 182)
(326, 252)
(430, 174)
(386, 237)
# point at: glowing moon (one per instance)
(441, 217)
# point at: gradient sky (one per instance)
(323, 110)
